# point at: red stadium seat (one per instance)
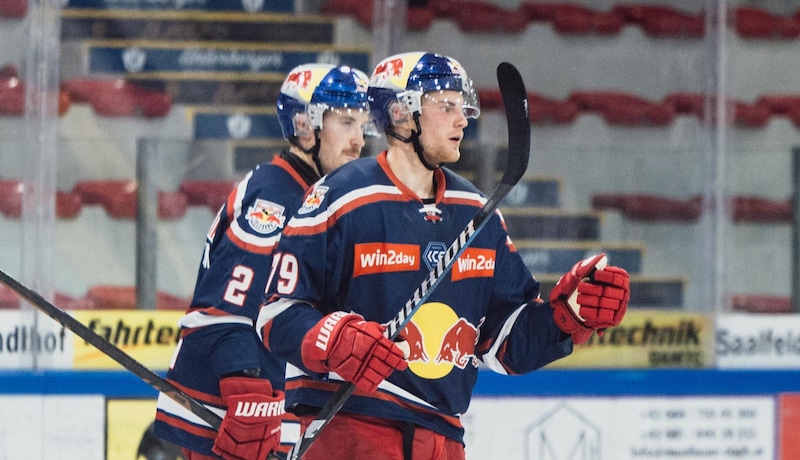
(624, 109)
(750, 115)
(759, 209)
(760, 303)
(687, 103)
(67, 302)
(118, 98)
(13, 9)
(542, 109)
(545, 110)
(209, 193)
(484, 16)
(106, 297)
(783, 105)
(118, 198)
(754, 22)
(649, 207)
(12, 94)
(9, 300)
(11, 198)
(68, 204)
(662, 21)
(116, 297)
(573, 18)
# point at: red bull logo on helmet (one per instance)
(265, 216)
(393, 72)
(439, 341)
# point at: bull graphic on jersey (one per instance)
(313, 200)
(265, 216)
(437, 341)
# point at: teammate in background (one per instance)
(364, 240)
(324, 114)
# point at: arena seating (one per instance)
(68, 204)
(647, 207)
(12, 94)
(568, 18)
(13, 9)
(661, 20)
(116, 297)
(754, 22)
(618, 108)
(118, 198)
(783, 106)
(9, 300)
(209, 193)
(542, 109)
(118, 97)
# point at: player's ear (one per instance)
(302, 125)
(398, 113)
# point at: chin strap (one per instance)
(313, 151)
(413, 139)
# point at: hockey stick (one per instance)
(515, 100)
(111, 351)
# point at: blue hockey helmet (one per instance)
(311, 89)
(406, 77)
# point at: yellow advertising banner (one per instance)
(149, 336)
(649, 339)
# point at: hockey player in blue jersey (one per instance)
(219, 361)
(365, 238)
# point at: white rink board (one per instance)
(700, 428)
(52, 427)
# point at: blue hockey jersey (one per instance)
(363, 242)
(218, 337)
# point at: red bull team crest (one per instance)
(438, 341)
(265, 216)
(313, 200)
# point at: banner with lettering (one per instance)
(649, 339)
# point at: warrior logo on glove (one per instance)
(593, 296)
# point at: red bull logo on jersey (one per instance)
(313, 200)
(265, 216)
(474, 263)
(372, 258)
(438, 341)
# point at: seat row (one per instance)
(645, 207)
(573, 18)
(119, 198)
(99, 297)
(108, 97)
(621, 108)
(118, 97)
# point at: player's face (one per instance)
(442, 122)
(341, 137)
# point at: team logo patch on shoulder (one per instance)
(265, 216)
(313, 200)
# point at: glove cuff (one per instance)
(234, 386)
(320, 340)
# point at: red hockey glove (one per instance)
(592, 296)
(251, 427)
(353, 348)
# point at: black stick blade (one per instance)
(515, 101)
